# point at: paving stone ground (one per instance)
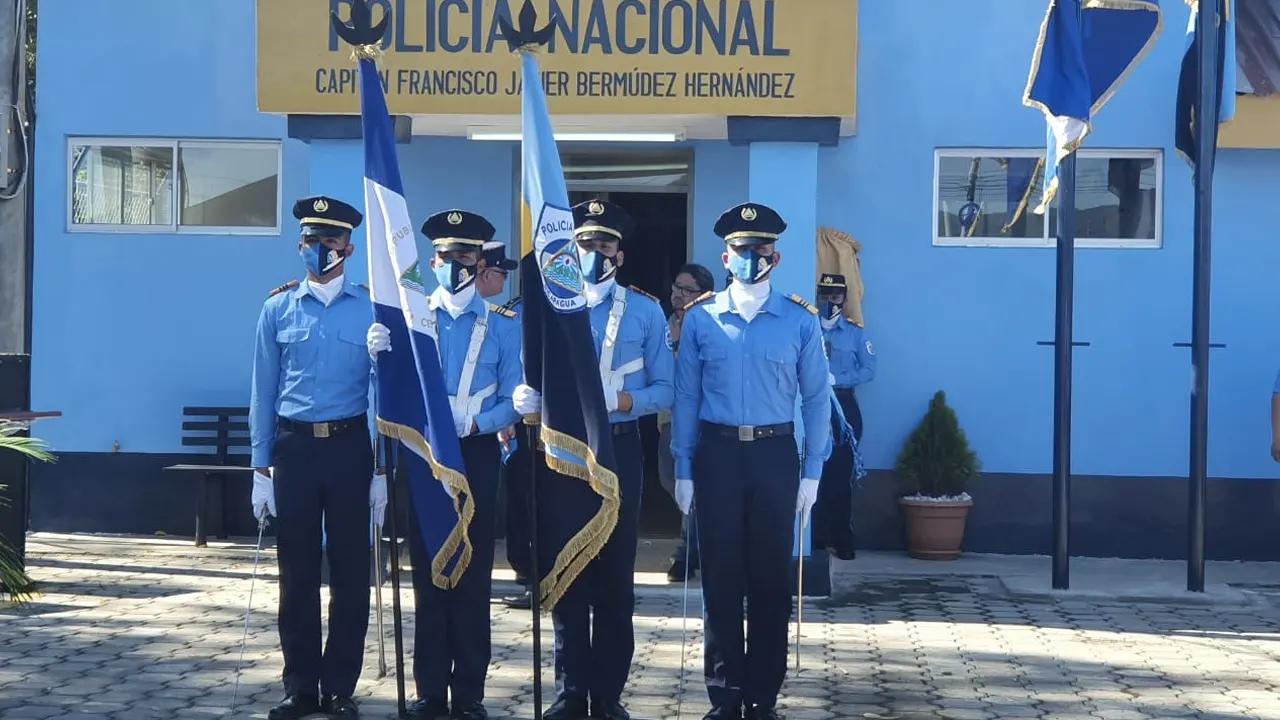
(140, 634)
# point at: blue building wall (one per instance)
(130, 328)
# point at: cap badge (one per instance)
(595, 208)
(748, 214)
(320, 205)
(454, 218)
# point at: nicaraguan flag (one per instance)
(1086, 49)
(413, 403)
(582, 497)
(1184, 134)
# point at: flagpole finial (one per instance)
(364, 37)
(526, 37)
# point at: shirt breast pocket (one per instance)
(297, 348)
(354, 346)
(715, 369)
(630, 344)
(782, 366)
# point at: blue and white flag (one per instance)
(582, 494)
(1086, 50)
(412, 399)
(1185, 139)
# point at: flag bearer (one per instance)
(853, 362)
(313, 458)
(515, 468)
(593, 621)
(480, 356)
(746, 353)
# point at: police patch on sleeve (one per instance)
(870, 350)
(666, 336)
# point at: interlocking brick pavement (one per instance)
(146, 634)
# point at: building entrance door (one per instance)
(654, 188)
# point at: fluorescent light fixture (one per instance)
(584, 136)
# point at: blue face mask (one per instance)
(750, 267)
(320, 260)
(831, 310)
(455, 277)
(597, 267)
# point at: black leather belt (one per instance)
(844, 391)
(630, 427)
(747, 433)
(324, 429)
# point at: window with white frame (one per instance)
(193, 186)
(988, 197)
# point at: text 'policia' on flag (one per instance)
(1184, 134)
(412, 399)
(1085, 50)
(582, 495)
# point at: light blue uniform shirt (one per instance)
(731, 372)
(1276, 388)
(642, 333)
(310, 362)
(853, 360)
(498, 364)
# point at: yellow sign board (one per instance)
(613, 57)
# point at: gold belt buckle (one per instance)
(746, 433)
(320, 430)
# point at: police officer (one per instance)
(313, 457)
(516, 441)
(593, 621)
(746, 353)
(480, 355)
(853, 362)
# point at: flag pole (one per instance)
(1062, 345)
(1206, 127)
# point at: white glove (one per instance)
(684, 495)
(805, 499)
(610, 400)
(379, 339)
(526, 400)
(378, 498)
(831, 378)
(263, 497)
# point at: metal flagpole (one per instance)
(684, 618)
(1063, 337)
(800, 587)
(377, 593)
(244, 638)
(1206, 129)
(390, 450)
(535, 577)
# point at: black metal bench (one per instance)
(223, 429)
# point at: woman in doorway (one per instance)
(691, 282)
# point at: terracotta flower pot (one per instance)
(935, 530)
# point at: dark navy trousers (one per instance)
(516, 484)
(329, 478)
(745, 493)
(451, 627)
(833, 512)
(594, 635)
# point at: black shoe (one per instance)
(428, 710)
(566, 708)
(295, 707)
(676, 573)
(523, 601)
(609, 711)
(341, 707)
(759, 713)
(522, 580)
(723, 714)
(470, 711)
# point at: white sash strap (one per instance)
(472, 405)
(463, 399)
(610, 377)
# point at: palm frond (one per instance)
(13, 577)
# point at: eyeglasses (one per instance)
(677, 287)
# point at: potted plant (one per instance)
(13, 579)
(934, 468)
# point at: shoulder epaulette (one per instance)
(803, 303)
(700, 299)
(511, 304)
(287, 286)
(635, 289)
(503, 311)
